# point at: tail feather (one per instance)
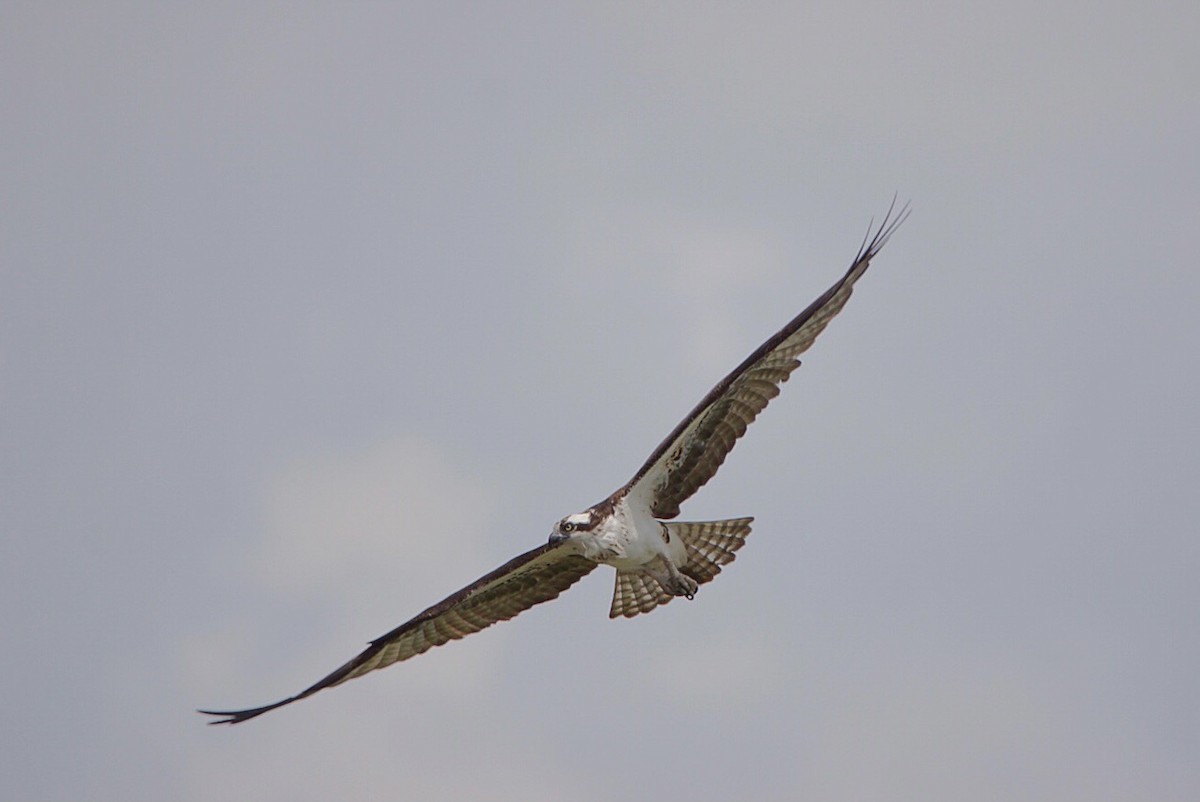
(636, 592)
(709, 544)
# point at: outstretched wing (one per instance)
(534, 577)
(693, 452)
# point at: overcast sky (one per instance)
(311, 314)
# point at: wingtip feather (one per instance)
(238, 716)
(891, 221)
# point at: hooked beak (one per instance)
(558, 537)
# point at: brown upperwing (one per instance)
(534, 577)
(693, 452)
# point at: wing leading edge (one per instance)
(536, 576)
(691, 454)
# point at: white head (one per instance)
(573, 525)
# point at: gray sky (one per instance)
(309, 315)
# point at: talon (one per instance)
(676, 583)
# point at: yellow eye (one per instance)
(567, 527)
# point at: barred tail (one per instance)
(709, 544)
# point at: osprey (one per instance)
(656, 559)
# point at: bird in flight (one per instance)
(656, 559)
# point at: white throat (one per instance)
(629, 538)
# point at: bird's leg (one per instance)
(674, 582)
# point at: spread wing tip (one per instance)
(871, 245)
(238, 716)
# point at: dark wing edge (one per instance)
(536, 576)
(691, 454)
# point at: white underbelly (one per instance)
(632, 538)
(639, 548)
(633, 554)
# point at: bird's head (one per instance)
(573, 526)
